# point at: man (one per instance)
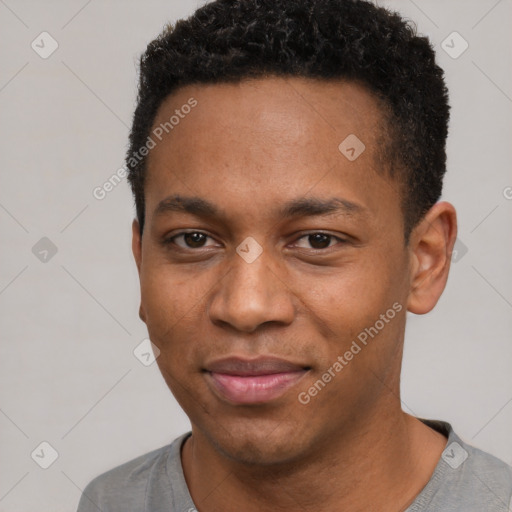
(287, 158)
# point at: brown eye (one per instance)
(194, 239)
(190, 240)
(317, 241)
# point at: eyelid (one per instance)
(171, 239)
(336, 237)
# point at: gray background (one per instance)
(69, 323)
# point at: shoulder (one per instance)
(458, 453)
(482, 481)
(466, 478)
(488, 470)
(125, 487)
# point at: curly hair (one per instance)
(230, 40)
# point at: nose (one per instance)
(252, 294)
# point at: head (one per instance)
(286, 200)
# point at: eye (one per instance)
(190, 240)
(198, 240)
(317, 241)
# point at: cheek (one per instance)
(347, 307)
(169, 289)
(353, 297)
(171, 302)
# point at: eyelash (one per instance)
(170, 241)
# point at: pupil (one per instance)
(194, 239)
(319, 241)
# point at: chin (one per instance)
(259, 443)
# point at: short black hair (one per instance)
(355, 40)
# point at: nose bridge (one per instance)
(251, 293)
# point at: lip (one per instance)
(252, 381)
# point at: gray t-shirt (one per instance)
(465, 479)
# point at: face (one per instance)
(267, 255)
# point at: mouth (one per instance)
(253, 381)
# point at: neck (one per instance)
(386, 459)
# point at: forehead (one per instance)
(273, 137)
(276, 104)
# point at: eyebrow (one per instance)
(193, 205)
(301, 207)
(309, 207)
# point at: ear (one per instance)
(137, 244)
(137, 254)
(431, 245)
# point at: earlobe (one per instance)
(431, 246)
